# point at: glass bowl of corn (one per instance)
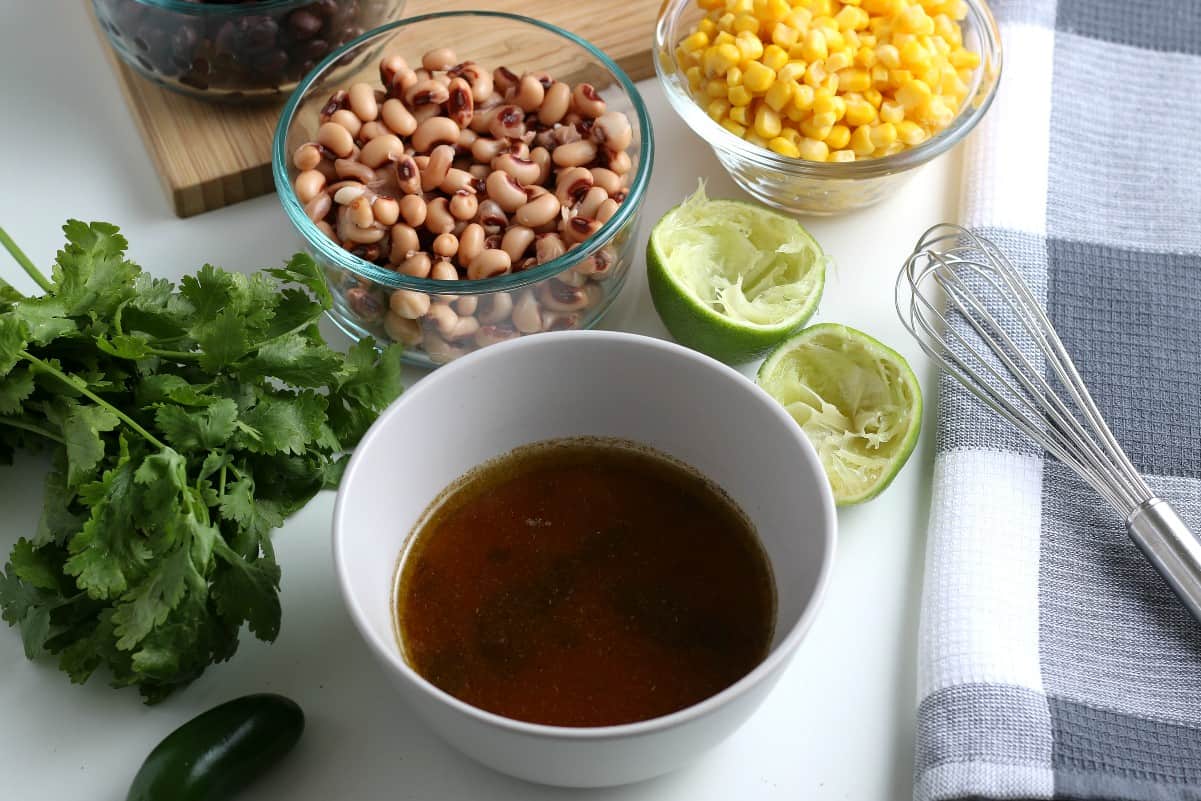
(822, 106)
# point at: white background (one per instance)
(839, 724)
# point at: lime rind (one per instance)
(857, 400)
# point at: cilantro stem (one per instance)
(23, 260)
(6, 285)
(221, 488)
(30, 427)
(87, 393)
(176, 355)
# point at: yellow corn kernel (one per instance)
(757, 78)
(861, 141)
(694, 42)
(733, 76)
(888, 56)
(914, 56)
(854, 80)
(707, 26)
(792, 71)
(741, 6)
(910, 132)
(865, 56)
(835, 40)
(814, 149)
(891, 112)
(815, 75)
(739, 96)
(711, 5)
(859, 112)
(734, 128)
(772, 10)
(839, 137)
(716, 88)
(915, 20)
(874, 97)
(965, 59)
(778, 95)
(818, 126)
(749, 46)
(851, 39)
(792, 135)
(883, 134)
(740, 115)
(879, 75)
(755, 139)
(720, 58)
(842, 155)
(775, 56)
(725, 37)
(718, 108)
(784, 36)
(795, 115)
(814, 49)
(821, 8)
(696, 79)
(746, 23)
(829, 103)
(937, 112)
(882, 7)
(784, 147)
(767, 123)
(799, 18)
(850, 18)
(839, 61)
(914, 94)
(900, 77)
(803, 97)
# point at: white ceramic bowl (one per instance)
(571, 384)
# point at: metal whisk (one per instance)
(972, 313)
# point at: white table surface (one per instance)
(839, 724)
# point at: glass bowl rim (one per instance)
(346, 260)
(720, 139)
(225, 9)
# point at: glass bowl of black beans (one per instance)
(235, 51)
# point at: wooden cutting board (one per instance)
(210, 155)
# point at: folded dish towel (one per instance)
(1054, 662)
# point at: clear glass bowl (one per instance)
(822, 188)
(234, 52)
(572, 291)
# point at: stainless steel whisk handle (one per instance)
(1171, 546)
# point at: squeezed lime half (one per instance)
(857, 400)
(732, 279)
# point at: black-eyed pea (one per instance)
(471, 243)
(408, 175)
(386, 210)
(606, 178)
(519, 149)
(505, 79)
(573, 278)
(308, 185)
(398, 118)
(506, 191)
(555, 104)
(466, 139)
(436, 168)
(516, 241)
(409, 304)
(586, 102)
(555, 295)
(463, 205)
(442, 317)
(445, 246)
(365, 305)
(572, 184)
(442, 58)
(476, 76)
(606, 210)
(508, 122)
(495, 308)
(337, 101)
(426, 92)
(564, 135)
(466, 305)
(460, 105)
(602, 265)
(494, 334)
(349, 169)
(307, 156)
(361, 213)
(414, 209)
(382, 149)
(574, 154)
(336, 139)
(490, 262)
(612, 130)
(426, 112)
(479, 171)
(526, 315)
(373, 130)
(327, 229)
(618, 161)
(361, 97)
(404, 243)
(318, 207)
(438, 219)
(416, 265)
(529, 93)
(484, 149)
(491, 216)
(591, 202)
(595, 294)
(541, 157)
(549, 247)
(390, 67)
(402, 330)
(538, 211)
(481, 120)
(577, 229)
(443, 270)
(457, 180)
(435, 131)
(525, 171)
(560, 321)
(440, 351)
(465, 328)
(492, 241)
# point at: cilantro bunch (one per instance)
(184, 425)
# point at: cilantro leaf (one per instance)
(300, 358)
(223, 340)
(58, 522)
(302, 269)
(14, 336)
(197, 429)
(81, 432)
(92, 276)
(256, 517)
(149, 603)
(372, 379)
(34, 566)
(169, 387)
(124, 346)
(284, 424)
(15, 388)
(47, 319)
(249, 591)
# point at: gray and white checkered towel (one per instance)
(1054, 662)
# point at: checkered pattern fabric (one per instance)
(1053, 661)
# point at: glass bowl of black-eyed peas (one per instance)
(480, 180)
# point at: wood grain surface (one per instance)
(210, 155)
